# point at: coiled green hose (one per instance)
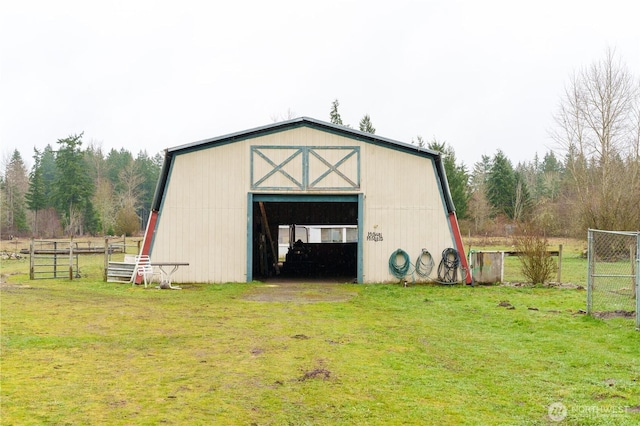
(396, 269)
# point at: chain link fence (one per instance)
(613, 281)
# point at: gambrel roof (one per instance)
(302, 122)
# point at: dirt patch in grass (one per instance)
(302, 292)
(615, 314)
(13, 286)
(569, 286)
(316, 373)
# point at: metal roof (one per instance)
(290, 124)
(297, 122)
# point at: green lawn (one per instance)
(89, 352)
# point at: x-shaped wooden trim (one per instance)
(333, 168)
(278, 168)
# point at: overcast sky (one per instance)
(147, 75)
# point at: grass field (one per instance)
(89, 352)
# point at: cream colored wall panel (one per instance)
(204, 214)
(396, 178)
(401, 228)
(403, 207)
(302, 137)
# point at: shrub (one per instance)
(127, 222)
(536, 263)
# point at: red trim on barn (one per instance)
(458, 237)
(148, 236)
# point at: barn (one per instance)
(226, 204)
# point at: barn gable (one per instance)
(221, 203)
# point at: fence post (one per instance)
(632, 259)
(590, 253)
(55, 259)
(560, 264)
(71, 259)
(106, 260)
(637, 287)
(31, 261)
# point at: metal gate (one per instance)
(52, 259)
(613, 281)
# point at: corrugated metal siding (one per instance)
(203, 218)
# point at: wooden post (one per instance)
(560, 264)
(71, 259)
(265, 225)
(31, 261)
(106, 260)
(55, 259)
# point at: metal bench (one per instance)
(121, 272)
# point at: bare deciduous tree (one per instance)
(598, 129)
(288, 115)
(131, 181)
(105, 205)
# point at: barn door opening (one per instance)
(304, 237)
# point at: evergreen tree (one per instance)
(149, 169)
(16, 185)
(551, 170)
(479, 207)
(501, 185)
(480, 174)
(366, 125)
(334, 115)
(116, 162)
(35, 196)
(49, 172)
(96, 163)
(73, 188)
(419, 141)
(457, 177)
(521, 198)
(91, 221)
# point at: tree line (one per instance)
(73, 190)
(591, 181)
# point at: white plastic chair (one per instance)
(143, 269)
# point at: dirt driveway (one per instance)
(302, 292)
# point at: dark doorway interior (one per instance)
(324, 245)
